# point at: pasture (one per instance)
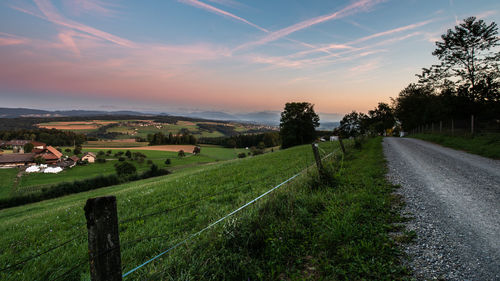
(34, 228)
(34, 182)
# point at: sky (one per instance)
(224, 55)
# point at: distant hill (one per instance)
(27, 112)
(328, 120)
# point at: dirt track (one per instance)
(454, 198)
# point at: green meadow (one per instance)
(34, 182)
(304, 230)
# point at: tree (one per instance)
(28, 147)
(128, 154)
(125, 169)
(381, 118)
(196, 150)
(39, 160)
(181, 153)
(352, 125)
(468, 53)
(298, 124)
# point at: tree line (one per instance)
(269, 139)
(49, 136)
(465, 83)
(181, 138)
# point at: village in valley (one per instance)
(45, 158)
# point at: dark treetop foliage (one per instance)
(469, 55)
(298, 123)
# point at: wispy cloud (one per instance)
(362, 5)
(215, 10)
(7, 39)
(50, 13)
(91, 7)
(218, 11)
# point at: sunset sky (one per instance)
(229, 55)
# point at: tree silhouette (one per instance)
(298, 123)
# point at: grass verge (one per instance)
(487, 145)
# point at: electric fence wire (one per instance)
(214, 223)
(40, 254)
(189, 203)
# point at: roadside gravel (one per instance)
(454, 200)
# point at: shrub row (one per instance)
(66, 188)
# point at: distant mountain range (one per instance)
(328, 121)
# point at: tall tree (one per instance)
(469, 55)
(352, 125)
(381, 118)
(298, 124)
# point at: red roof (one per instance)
(37, 143)
(54, 151)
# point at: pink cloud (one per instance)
(90, 6)
(53, 16)
(355, 7)
(9, 39)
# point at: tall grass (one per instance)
(487, 145)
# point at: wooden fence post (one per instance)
(316, 156)
(104, 241)
(472, 124)
(342, 145)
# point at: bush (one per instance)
(256, 151)
(125, 169)
(128, 154)
(181, 153)
(150, 162)
(39, 160)
(100, 160)
(168, 161)
(68, 150)
(109, 152)
(121, 159)
(242, 155)
(100, 153)
(77, 151)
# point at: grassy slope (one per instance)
(7, 177)
(487, 145)
(303, 232)
(35, 181)
(30, 229)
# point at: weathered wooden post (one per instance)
(316, 156)
(472, 124)
(341, 145)
(104, 241)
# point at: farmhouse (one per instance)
(16, 159)
(89, 156)
(17, 145)
(51, 155)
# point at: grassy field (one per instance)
(141, 128)
(7, 178)
(34, 182)
(303, 231)
(487, 145)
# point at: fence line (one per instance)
(216, 222)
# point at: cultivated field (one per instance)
(127, 129)
(34, 228)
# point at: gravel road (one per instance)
(454, 198)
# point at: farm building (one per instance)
(17, 145)
(38, 146)
(16, 159)
(89, 156)
(51, 155)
